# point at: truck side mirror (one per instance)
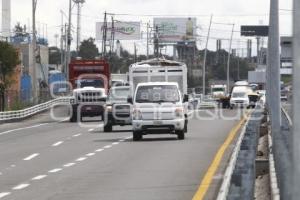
(185, 98)
(129, 100)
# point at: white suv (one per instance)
(158, 108)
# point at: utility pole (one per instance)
(296, 103)
(156, 43)
(104, 36)
(204, 60)
(258, 51)
(69, 39)
(34, 74)
(79, 4)
(62, 40)
(148, 40)
(228, 61)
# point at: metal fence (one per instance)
(21, 114)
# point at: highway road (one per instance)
(44, 159)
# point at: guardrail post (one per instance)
(296, 102)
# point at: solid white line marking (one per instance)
(4, 194)
(55, 170)
(18, 129)
(69, 165)
(115, 143)
(21, 186)
(57, 143)
(76, 135)
(99, 150)
(81, 159)
(31, 157)
(107, 146)
(90, 130)
(90, 154)
(40, 177)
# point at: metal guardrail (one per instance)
(21, 114)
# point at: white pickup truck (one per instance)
(158, 108)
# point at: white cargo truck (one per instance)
(159, 70)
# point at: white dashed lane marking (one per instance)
(107, 146)
(99, 150)
(57, 143)
(90, 130)
(55, 170)
(31, 157)
(90, 154)
(40, 177)
(81, 159)
(79, 134)
(4, 194)
(21, 186)
(115, 143)
(69, 165)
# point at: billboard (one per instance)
(173, 30)
(123, 30)
(262, 31)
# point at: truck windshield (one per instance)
(218, 89)
(119, 94)
(96, 83)
(157, 93)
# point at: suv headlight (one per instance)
(72, 101)
(137, 115)
(179, 112)
(108, 108)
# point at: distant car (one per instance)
(284, 95)
(117, 110)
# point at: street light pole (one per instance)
(228, 61)
(205, 55)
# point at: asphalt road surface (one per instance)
(46, 159)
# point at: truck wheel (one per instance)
(108, 127)
(73, 118)
(180, 135)
(186, 126)
(137, 136)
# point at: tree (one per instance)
(88, 49)
(9, 59)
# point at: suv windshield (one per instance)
(119, 94)
(239, 95)
(157, 93)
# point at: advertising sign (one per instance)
(173, 30)
(262, 31)
(122, 30)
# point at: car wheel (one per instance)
(108, 127)
(180, 135)
(137, 136)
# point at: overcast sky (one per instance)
(225, 11)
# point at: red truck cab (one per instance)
(88, 71)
